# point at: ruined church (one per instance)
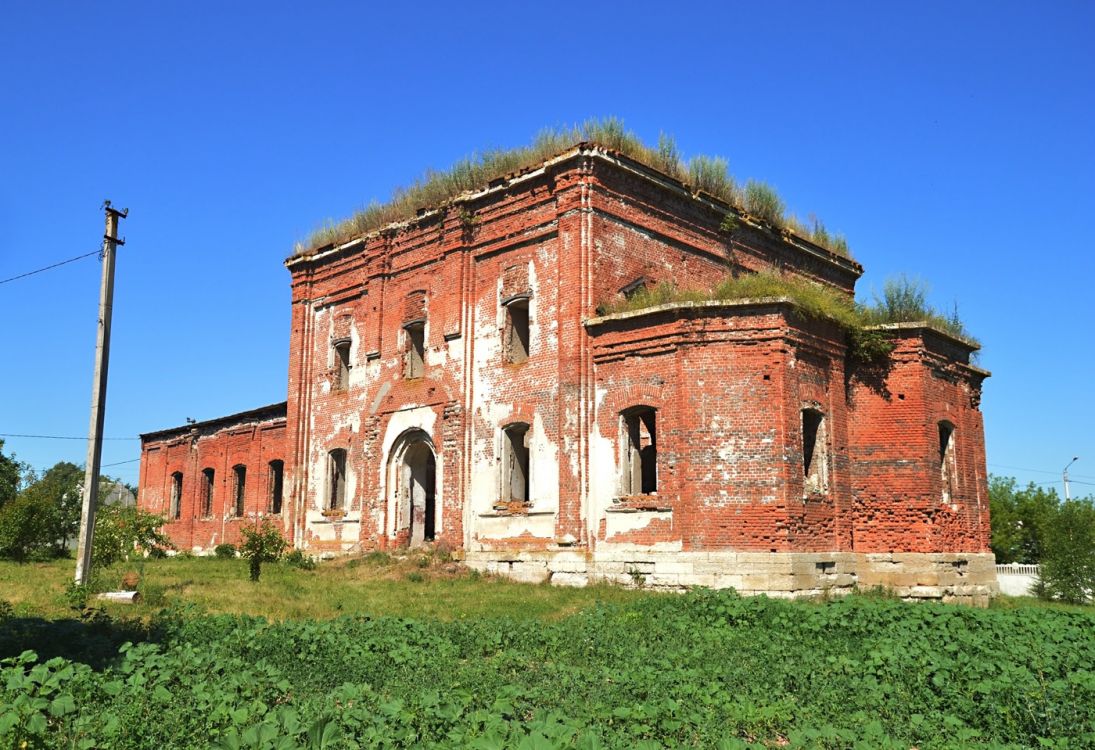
(459, 379)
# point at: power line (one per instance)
(48, 268)
(59, 437)
(1038, 471)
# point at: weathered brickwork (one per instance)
(176, 466)
(452, 380)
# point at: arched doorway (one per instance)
(416, 492)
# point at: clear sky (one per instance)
(952, 141)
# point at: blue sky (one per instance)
(949, 141)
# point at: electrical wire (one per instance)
(49, 268)
(1039, 471)
(59, 437)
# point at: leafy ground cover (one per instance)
(705, 669)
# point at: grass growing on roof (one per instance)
(710, 174)
(903, 300)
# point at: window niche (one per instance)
(336, 481)
(515, 466)
(276, 485)
(947, 467)
(640, 438)
(815, 453)
(208, 477)
(341, 349)
(415, 355)
(516, 336)
(175, 509)
(239, 489)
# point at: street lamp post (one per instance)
(1068, 496)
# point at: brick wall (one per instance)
(767, 443)
(252, 440)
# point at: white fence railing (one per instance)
(1017, 569)
(1016, 579)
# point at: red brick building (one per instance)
(451, 380)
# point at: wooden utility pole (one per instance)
(98, 396)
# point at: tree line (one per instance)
(40, 515)
(1033, 525)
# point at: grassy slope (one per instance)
(419, 586)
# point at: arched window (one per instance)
(239, 489)
(947, 460)
(175, 509)
(208, 476)
(336, 479)
(515, 464)
(815, 453)
(640, 440)
(276, 485)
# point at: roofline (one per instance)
(921, 327)
(925, 325)
(689, 305)
(588, 148)
(273, 411)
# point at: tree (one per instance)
(26, 528)
(60, 490)
(262, 543)
(1068, 567)
(1020, 520)
(11, 475)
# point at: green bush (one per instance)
(27, 528)
(262, 542)
(121, 533)
(225, 551)
(297, 559)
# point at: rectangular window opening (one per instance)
(176, 495)
(239, 475)
(814, 452)
(515, 464)
(641, 476)
(416, 349)
(208, 476)
(947, 468)
(517, 331)
(276, 485)
(342, 364)
(337, 479)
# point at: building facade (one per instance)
(454, 380)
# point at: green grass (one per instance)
(903, 301)
(379, 585)
(434, 189)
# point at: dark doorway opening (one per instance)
(419, 497)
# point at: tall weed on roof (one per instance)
(434, 188)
